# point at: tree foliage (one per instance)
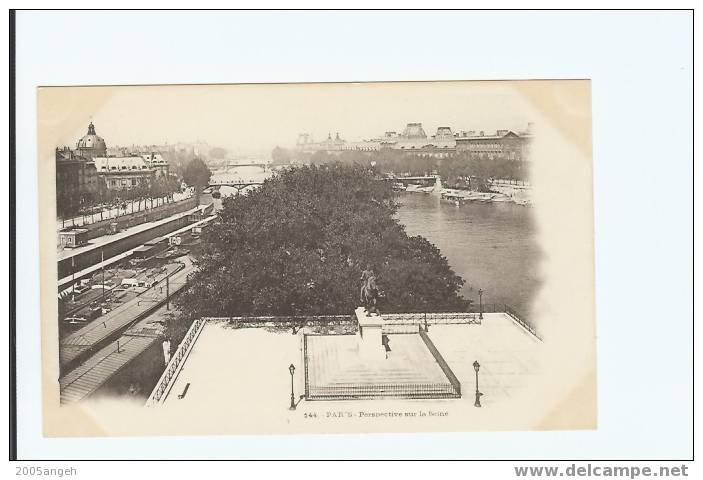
(197, 173)
(298, 245)
(452, 169)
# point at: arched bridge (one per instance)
(425, 180)
(234, 182)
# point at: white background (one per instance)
(641, 68)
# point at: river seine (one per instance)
(490, 245)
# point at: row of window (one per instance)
(124, 167)
(125, 182)
(430, 147)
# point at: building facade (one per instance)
(92, 166)
(156, 162)
(504, 144)
(121, 173)
(76, 180)
(413, 141)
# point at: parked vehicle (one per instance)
(79, 289)
(134, 282)
(75, 320)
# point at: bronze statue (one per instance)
(369, 290)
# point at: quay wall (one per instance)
(103, 227)
(109, 250)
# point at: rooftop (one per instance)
(472, 135)
(120, 164)
(91, 140)
(153, 158)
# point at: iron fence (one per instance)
(390, 329)
(305, 365)
(294, 321)
(405, 318)
(176, 362)
(527, 326)
(442, 363)
(408, 322)
(519, 318)
(354, 391)
(431, 318)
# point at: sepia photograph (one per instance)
(316, 257)
(376, 243)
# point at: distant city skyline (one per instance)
(253, 119)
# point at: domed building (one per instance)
(91, 145)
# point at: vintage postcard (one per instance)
(317, 258)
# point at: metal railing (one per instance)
(431, 318)
(176, 362)
(513, 314)
(298, 321)
(305, 365)
(393, 322)
(215, 183)
(441, 362)
(352, 391)
(519, 318)
(489, 308)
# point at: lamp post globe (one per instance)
(480, 304)
(477, 403)
(291, 369)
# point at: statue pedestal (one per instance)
(369, 336)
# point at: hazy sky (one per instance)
(256, 118)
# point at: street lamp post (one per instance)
(291, 369)
(73, 279)
(480, 304)
(477, 403)
(102, 267)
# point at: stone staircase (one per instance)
(337, 372)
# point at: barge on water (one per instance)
(452, 196)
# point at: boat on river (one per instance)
(482, 197)
(455, 197)
(502, 198)
(419, 189)
(461, 197)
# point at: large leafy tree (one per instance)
(297, 246)
(197, 174)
